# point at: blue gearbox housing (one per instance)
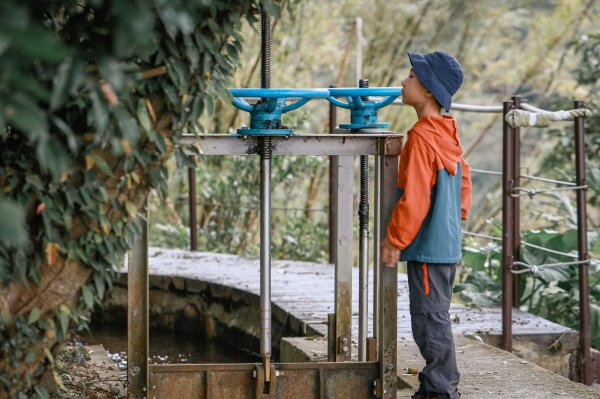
(363, 112)
(265, 115)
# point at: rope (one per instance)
(566, 183)
(532, 192)
(468, 233)
(530, 177)
(537, 268)
(552, 251)
(486, 172)
(494, 109)
(535, 117)
(252, 208)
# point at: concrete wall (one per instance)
(232, 316)
(227, 314)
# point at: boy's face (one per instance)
(414, 93)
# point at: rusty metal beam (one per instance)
(343, 262)
(388, 292)
(341, 142)
(315, 380)
(137, 312)
(331, 344)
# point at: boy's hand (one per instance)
(390, 255)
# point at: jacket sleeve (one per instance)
(412, 208)
(466, 190)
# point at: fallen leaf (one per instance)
(52, 250)
(89, 162)
(65, 176)
(109, 93)
(126, 146)
(40, 208)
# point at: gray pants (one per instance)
(430, 288)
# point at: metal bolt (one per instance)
(253, 373)
(390, 366)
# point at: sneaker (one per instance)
(429, 395)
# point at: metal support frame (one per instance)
(363, 143)
(137, 316)
(344, 200)
(388, 280)
(584, 289)
(302, 380)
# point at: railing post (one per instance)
(137, 312)
(516, 223)
(584, 289)
(193, 209)
(507, 227)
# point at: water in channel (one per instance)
(166, 347)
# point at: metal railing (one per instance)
(512, 191)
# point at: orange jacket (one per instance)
(434, 183)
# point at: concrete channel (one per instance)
(218, 295)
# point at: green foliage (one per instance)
(552, 293)
(479, 281)
(84, 136)
(561, 161)
(229, 203)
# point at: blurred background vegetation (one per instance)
(85, 134)
(547, 52)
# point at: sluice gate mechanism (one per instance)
(374, 375)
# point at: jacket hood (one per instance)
(441, 134)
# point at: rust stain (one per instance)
(393, 145)
(243, 381)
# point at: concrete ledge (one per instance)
(217, 295)
(486, 372)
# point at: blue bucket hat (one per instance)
(440, 73)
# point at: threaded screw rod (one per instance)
(265, 52)
(363, 214)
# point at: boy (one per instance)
(434, 186)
